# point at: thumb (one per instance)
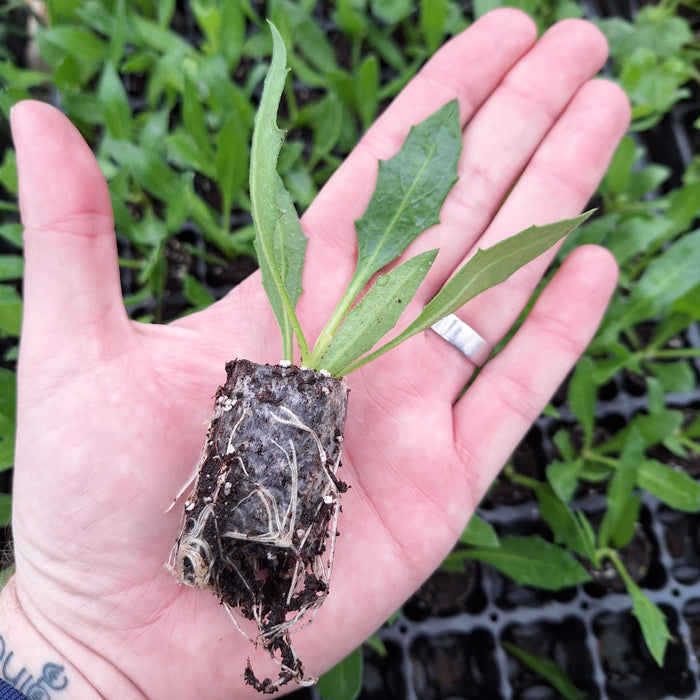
(72, 293)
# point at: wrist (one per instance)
(29, 662)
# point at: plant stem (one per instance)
(593, 456)
(326, 335)
(676, 354)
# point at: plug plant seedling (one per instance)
(260, 523)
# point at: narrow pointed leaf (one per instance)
(290, 243)
(479, 533)
(344, 680)
(650, 617)
(554, 674)
(532, 561)
(487, 268)
(377, 313)
(675, 488)
(652, 622)
(493, 265)
(273, 212)
(619, 492)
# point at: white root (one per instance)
(199, 558)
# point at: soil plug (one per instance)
(260, 523)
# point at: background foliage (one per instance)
(165, 92)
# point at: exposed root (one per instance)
(260, 524)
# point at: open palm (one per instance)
(112, 414)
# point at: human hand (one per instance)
(112, 414)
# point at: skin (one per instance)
(112, 413)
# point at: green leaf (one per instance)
(115, 104)
(554, 674)
(376, 313)
(652, 428)
(8, 395)
(411, 188)
(620, 491)
(675, 488)
(674, 376)
(344, 680)
(194, 118)
(8, 400)
(5, 509)
(11, 267)
(666, 278)
(290, 243)
(651, 619)
(367, 86)
(273, 212)
(563, 476)
(391, 11)
(195, 293)
(479, 533)
(582, 396)
(532, 561)
(487, 268)
(375, 643)
(231, 160)
(618, 175)
(563, 522)
(652, 622)
(432, 20)
(10, 311)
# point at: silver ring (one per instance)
(464, 338)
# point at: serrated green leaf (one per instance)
(273, 213)
(344, 680)
(376, 313)
(675, 488)
(532, 561)
(479, 533)
(554, 674)
(411, 188)
(487, 268)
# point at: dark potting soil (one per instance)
(260, 523)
